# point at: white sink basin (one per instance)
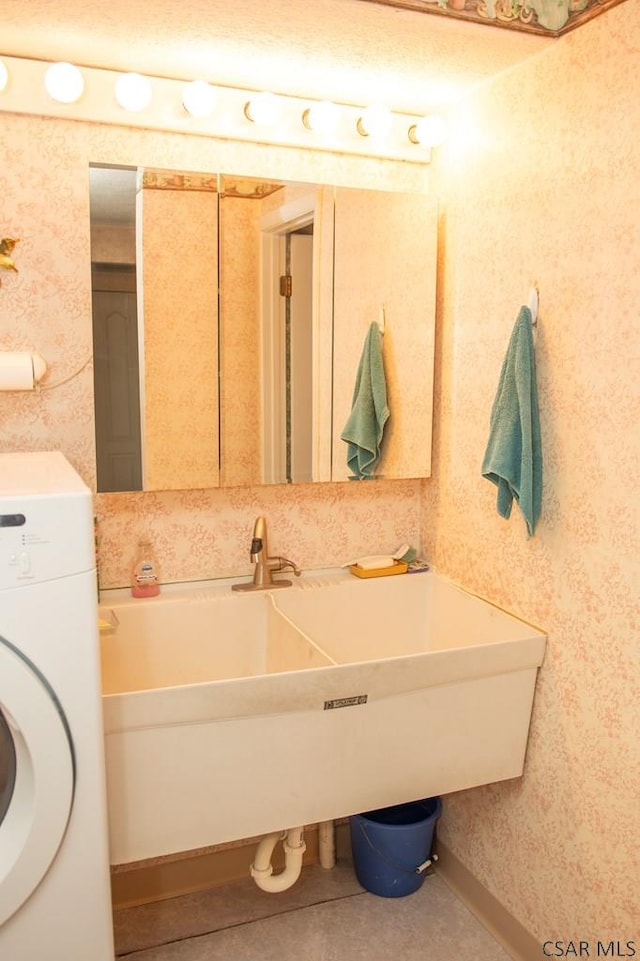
(355, 621)
(199, 638)
(253, 712)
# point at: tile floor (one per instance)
(326, 916)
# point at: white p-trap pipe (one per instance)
(262, 869)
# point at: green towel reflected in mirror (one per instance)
(364, 428)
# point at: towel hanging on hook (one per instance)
(513, 457)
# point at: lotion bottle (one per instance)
(144, 574)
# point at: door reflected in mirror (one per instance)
(276, 317)
(229, 314)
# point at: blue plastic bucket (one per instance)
(391, 845)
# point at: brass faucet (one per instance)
(265, 566)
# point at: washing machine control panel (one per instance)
(44, 538)
(21, 559)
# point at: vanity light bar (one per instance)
(96, 95)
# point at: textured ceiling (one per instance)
(344, 50)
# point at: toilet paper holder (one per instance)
(21, 370)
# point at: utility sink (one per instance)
(248, 713)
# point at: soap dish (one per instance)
(400, 567)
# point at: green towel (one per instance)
(369, 412)
(513, 458)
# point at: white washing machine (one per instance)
(55, 902)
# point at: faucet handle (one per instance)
(260, 526)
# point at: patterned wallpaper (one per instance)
(240, 341)
(179, 240)
(540, 184)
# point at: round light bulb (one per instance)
(429, 131)
(264, 109)
(4, 76)
(64, 82)
(322, 117)
(199, 98)
(133, 92)
(375, 121)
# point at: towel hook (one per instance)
(382, 320)
(534, 301)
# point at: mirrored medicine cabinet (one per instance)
(229, 317)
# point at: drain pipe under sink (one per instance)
(327, 844)
(262, 870)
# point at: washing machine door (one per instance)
(36, 778)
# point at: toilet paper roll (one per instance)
(20, 370)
